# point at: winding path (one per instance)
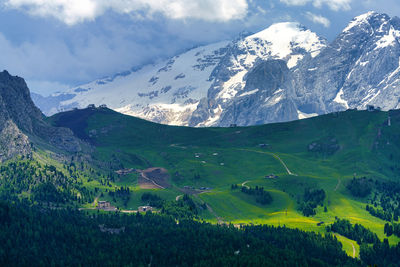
(354, 250)
(338, 184)
(275, 156)
(344, 239)
(147, 178)
(283, 163)
(244, 184)
(220, 221)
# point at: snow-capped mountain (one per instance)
(360, 67)
(282, 73)
(197, 88)
(245, 93)
(166, 92)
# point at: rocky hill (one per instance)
(22, 123)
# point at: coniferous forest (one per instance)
(68, 237)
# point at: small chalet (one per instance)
(103, 205)
(372, 108)
(145, 208)
(124, 171)
(271, 176)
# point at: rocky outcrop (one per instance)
(360, 67)
(244, 91)
(16, 103)
(21, 122)
(266, 97)
(13, 142)
(59, 137)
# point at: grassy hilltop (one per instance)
(325, 152)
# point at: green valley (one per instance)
(286, 159)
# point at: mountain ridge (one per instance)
(207, 86)
(165, 92)
(22, 123)
(351, 71)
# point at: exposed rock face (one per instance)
(359, 68)
(266, 97)
(286, 43)
(20, 119)
(272, 82)
(16, 103)
(62, 138)
(13, 142)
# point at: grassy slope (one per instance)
(368, 147)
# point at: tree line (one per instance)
(31, 235)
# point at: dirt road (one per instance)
(220, 221)
(338, 184)
(275, 156)
(244, 184)
(154, 177)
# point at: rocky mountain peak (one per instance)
(21, 121)
(370, 19)
(289, 38)
(370, 28)
(16, 103)
(359, 68)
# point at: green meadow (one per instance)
(325, 152)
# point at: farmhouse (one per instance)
(205, 188)
(103, 205)
(145, 208)
(124, 171)
(371, 108)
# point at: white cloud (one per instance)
(318, 19)
(51, 56)
(50, 64)
(45, 88)
(75, 11)
(335, 5)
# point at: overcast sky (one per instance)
(56, 44)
